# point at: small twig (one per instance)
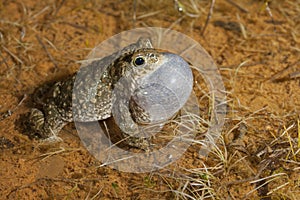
(84, 28)
(40, 12)
(208, 16)
(10, 112)
(4, 60)
(268, 9)
(149, 14)
(134, 14)
(277, 77)
(181, 8)
(238, 6)
(12, 55)
(46, 50)
(58, 151)
(59, 7)
(294, 75)
(97, 195)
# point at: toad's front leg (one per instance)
(138, 142)
(46, 123)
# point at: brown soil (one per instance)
(256, 46)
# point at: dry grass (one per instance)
(256, 47)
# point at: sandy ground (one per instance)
(256, 46)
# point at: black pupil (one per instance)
(139, 61)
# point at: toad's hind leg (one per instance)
(46, 124)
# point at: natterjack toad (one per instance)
(139, 84)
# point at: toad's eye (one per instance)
(138, 61)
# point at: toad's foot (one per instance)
(46, 127)
(138, 142)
